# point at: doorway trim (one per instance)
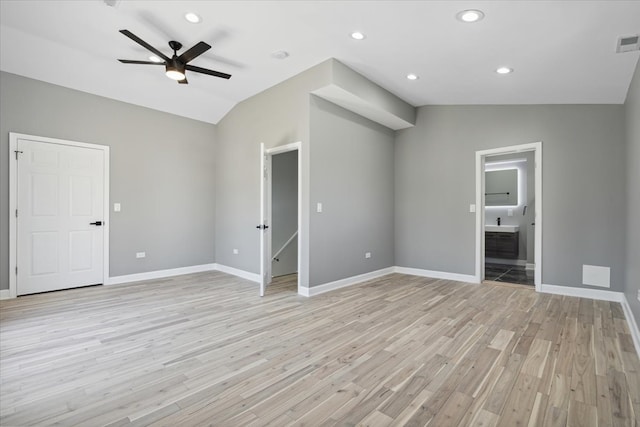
(13, 202)
(266, 208)
(536, 147)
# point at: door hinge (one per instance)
(16, 213)
(18, 152)
(16, 270)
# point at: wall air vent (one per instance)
(628, 44)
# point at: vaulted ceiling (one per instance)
(561, 52)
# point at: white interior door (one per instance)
(265, 220)
(60, 233)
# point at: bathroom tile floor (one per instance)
(508, 274)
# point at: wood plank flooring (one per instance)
(205, 349)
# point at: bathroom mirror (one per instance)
(501, 187)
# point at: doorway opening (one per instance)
(509, 215)
(281, 212)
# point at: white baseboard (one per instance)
(349, 281)
(5, 294)
(237, 272)
(354, 280)
(436, 274)
(633, 325)
(159, 274)
(583, 293)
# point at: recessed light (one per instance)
(504, 70)
(154, 58)
(412, 76)
(471, 15)
(357, 35)
(194, 18)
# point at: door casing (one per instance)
(13, 201)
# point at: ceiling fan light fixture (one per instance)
(175, 70)
(154, 58)
(357, 35)
(175, 75)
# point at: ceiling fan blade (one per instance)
(144, 44)
(132, 61)
(183, 81)
(194, 52)
(205, 71)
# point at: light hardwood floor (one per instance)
(205, 349)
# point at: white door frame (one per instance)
(265, 209)
(536, 147)
(13, 201)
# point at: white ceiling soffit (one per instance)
(371, 111)
(562, 52)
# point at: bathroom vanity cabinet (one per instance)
(501, 244)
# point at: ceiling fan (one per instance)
(175, 66)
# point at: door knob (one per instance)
(98, 223)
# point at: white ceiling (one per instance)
(563, 52)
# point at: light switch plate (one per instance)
(319, 207)
(141, 254)
(472, 208)
(367, 255)
(236, 252)
(116, 207)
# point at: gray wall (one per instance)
(352, 176)
(162, 170)
(632, 116)
(583, 182)
(284, 212)
(277, 116)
